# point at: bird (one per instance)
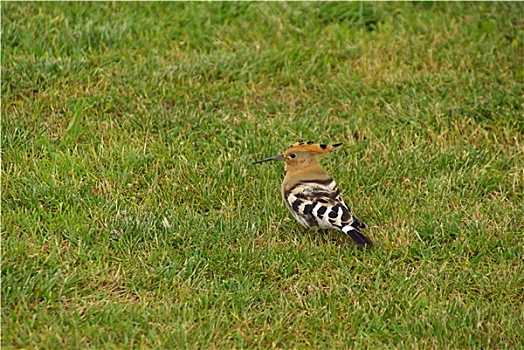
(312, 196)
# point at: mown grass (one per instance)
(132, 216)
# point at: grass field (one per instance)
(132, 216)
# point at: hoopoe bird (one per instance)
(312, 196)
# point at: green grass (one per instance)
(132, 216)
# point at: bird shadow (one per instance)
(319, 237)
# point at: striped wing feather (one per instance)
(318, 204)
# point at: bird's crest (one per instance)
(311, 147)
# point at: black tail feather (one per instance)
(361, 240)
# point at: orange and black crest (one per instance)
(311, 147)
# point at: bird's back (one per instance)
(317, 203)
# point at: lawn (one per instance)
(133, 217)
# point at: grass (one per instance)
(133, 218)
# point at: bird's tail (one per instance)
(361, 240)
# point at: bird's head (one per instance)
(301, 153)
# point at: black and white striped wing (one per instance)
(319, 204)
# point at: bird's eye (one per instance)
(292, 155)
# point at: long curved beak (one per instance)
(279, 157)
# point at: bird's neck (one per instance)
(303, 172)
